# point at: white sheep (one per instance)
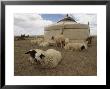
(48, 59)
(67, 41)
(40, 40)
(51, 42)
(37, 41)
(44, 44)
(34, 41)
(76, 46)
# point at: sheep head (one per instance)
(35, 55)
(39, 56)
(32, 53)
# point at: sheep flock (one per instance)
(50, 58)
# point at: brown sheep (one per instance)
(60, 41)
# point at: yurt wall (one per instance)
(76, 34)
(50, 33)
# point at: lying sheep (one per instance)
(32, 55)
(75, 46)
(40, 40)
(37, 41)
(51, 42)
(48, 59)
(34, 41)
(47, 42)
(44, 44)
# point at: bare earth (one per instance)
(74, 63)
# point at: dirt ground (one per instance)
(74, 63)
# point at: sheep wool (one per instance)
(44, 44)
(66, 40)
(51, 59)
(60, 40)
(51, 42)
(75, 46)
(33, 41)
(40, 40)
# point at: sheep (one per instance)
(48, 59)
(60, 41)
(40, 40)
(34, 41)
(51, 42)
(76, 46)
(47, 42)
(67, 41)
(32, 53)
(44, 44)
(85, 43)
(51, 59)
(37, 41)
(89, 39)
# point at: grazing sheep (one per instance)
(48, 59)
(60, 41)
(76, 46)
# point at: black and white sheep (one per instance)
(48, 59)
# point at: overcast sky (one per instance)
(33, 24)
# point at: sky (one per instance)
(33, 24)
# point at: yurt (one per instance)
(69, 28)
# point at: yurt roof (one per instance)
(66, 23)
(67, 18)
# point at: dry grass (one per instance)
(75, 63)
